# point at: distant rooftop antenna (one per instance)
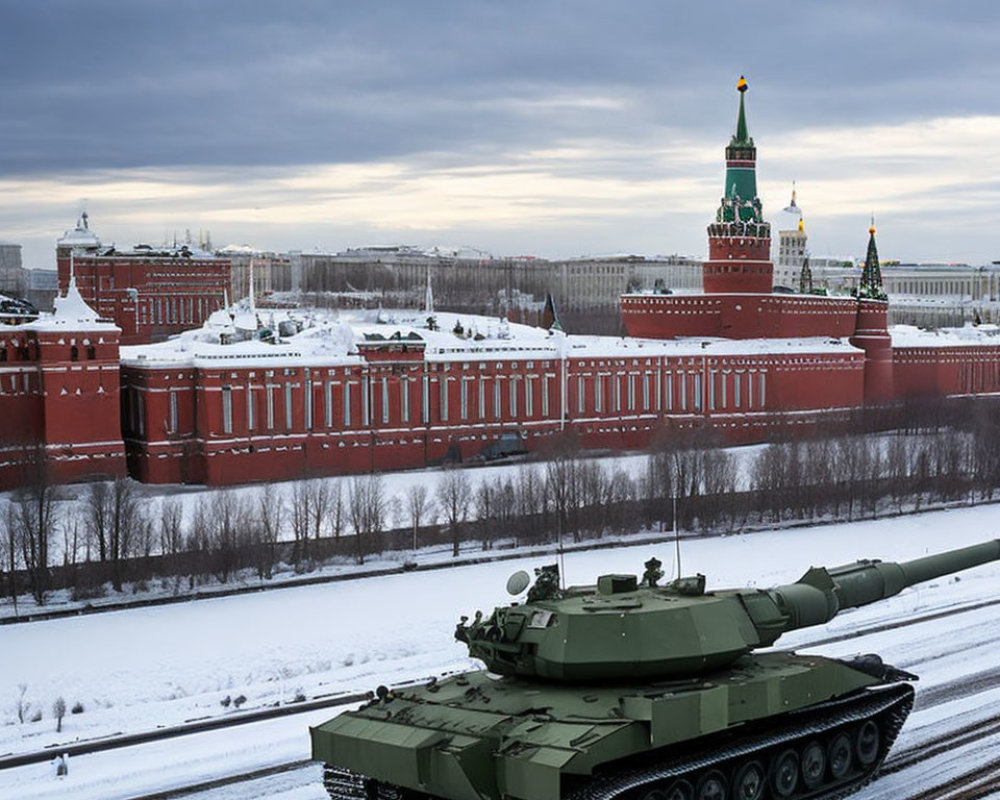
(429, 294)
(253, 301)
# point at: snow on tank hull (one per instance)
(775, 725)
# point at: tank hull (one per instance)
(482, 736)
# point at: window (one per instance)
(684, 393)
(529, 396)
(385, 400)
(227, 409)
(444, 399)
(173, 410)
(328, 404)
(251, 411)
(513, 396)
(496, 398)
(269, 394)
(482, 398)
(404, 398)
(581, 400)
(598, 394)
(347, 404)
(463, 400)
(288, 406)
(761, 393)
(737, 385)
(645, 392)
(426, 399)
(309, 404)
(545, 395)
(366, 401)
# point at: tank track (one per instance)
(684, 777)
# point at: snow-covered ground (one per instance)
(138, 669)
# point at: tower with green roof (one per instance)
(870, 285)
(739, 241)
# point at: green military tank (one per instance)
(635, 690)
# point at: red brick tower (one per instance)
(739, 241)
(871, 332)
(78, 365)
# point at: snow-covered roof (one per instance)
(71, 312)
(279, 337)
(969, 335)
(80, 236)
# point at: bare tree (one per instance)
(318, 492)
(171, 518)
(8, 553)
(486, 501)
(226, 530)
(270, 512)
(454, 493)
(301, 519)
(35, 520)
(59, 711)
(417, 505)
(562, 478)
(337, 509)
(366, 508)
(112, 509)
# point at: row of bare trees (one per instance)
(116, 534)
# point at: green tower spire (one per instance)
(741, 137)
(739, 201)
(870, 286)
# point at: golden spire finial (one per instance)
(742, 85)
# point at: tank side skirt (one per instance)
(896, 700)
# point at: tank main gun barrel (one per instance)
(822, 593)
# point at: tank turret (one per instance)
(629, 628)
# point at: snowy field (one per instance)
(139, 669)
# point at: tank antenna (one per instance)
(562, 554)
(677, 540)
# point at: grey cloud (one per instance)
(116, 83)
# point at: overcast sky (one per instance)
(553, 128)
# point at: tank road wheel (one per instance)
(785, 774)
(813, 765)
(866, 743)
(712, 786)
(749, 781)
(838, 753)
(679, 790)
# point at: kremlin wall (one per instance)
(248, 394)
